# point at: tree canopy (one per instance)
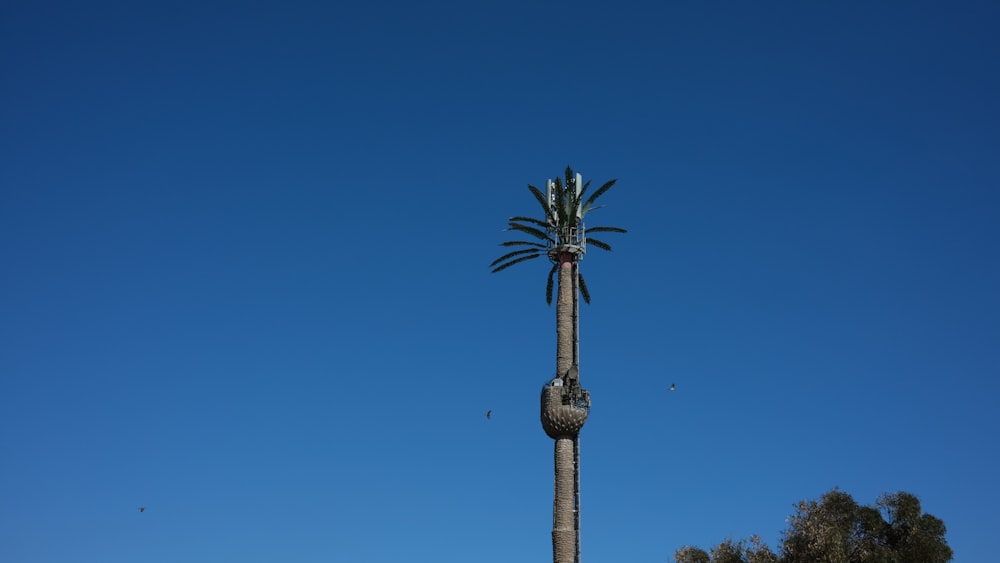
(835, 529)
(564, 206)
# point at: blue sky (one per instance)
(245, 284)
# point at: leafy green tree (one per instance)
(835, 529)
(753, 550)
(838, 530)
(689, 554)
(914, 536)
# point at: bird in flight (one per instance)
(142, 509)
(673, 387)
(489, 414)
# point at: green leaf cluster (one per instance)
(836, 529)
(561, 223)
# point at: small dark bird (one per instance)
(142, 509)
(673, 387)
(489, 414)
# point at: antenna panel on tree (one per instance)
(549, 197)
(579, 188)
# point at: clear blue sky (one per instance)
(245, 283)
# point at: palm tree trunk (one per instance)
(565, 523)
(564, 537)
(565, 327)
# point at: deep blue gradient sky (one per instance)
(245, 283)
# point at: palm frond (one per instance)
(512, 262)
(598, 243)
(551, 283)
(583, 192)
(523, 243)
(531, 220)
(606, 230)
(566, 205)
(515, 253)
(541, 199)
(600, 191)
(584, 292)
(530, 230)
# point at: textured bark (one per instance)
(565, 344)
(563, 509)
(562, 417)
(563, 422)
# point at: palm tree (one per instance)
(561, 236)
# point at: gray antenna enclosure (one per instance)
(579, 188)
(549, 197)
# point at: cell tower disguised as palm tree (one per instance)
(560, 235)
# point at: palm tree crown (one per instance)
(561, 228)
